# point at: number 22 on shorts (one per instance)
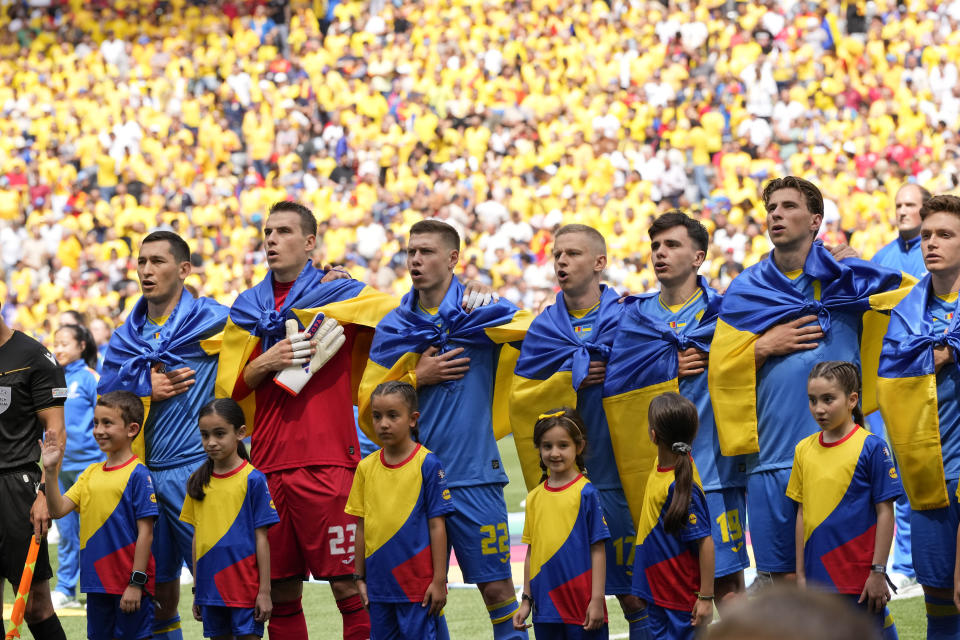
(493, 543)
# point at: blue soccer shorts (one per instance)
(229, 621)
(105, 621)
(172, 539)
(727, 509)
(619, 546)
(933, 534)
(397, 620)
(772, 521)
(478, 533)
(670, 623)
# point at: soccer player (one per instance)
(166, 353)
(117, 507)
(32, 393)
(918, 371)
(903, 254)
(452, 357)
(306, 444)
(687, 306)
(777, 319)
(580, 325)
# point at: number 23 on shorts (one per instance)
(496, 540)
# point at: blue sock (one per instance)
(639, 629)
(943, 619)
(168, 629)
(501, 616)
(889, 628)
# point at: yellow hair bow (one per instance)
(544, 416)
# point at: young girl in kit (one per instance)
(228, 504)
(401, 498)
(565, 569)
(845, 483)
(673, 565)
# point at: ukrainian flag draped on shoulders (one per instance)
(644, 363)
(907, 392)
(403, 335)
(552, 364)
(193, 329)
(762, 297)
(254, 320)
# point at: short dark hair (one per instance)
(811, 193)
(676, 218)
(308, 222)
(940, 204)
(449, 234)
(178, 246)
(126, 402)
(595, 236)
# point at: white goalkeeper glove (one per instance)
(326, 335)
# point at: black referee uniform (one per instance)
(30, 381)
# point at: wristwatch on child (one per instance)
(138, 579)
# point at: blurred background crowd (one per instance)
(505, 119)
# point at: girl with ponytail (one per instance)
(228, 504)
(674, 528)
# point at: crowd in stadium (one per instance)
(503, 120)
(502, 128)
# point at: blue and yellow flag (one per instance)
(552, 364)
(194, 329)
(907, 392)
(255, 321)
(644, 363)
(762, 297)
(402, 336)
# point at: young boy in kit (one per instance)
(117, 507)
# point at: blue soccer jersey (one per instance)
(110, 500)
(560, 526)
(839, 484)
(902, 255)
(396, 503)
(170, 428)
(234, 506)
(456, 417)
(940, 311)
(783, 417)
(666, 568)
(716, 470)
(599, 454)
